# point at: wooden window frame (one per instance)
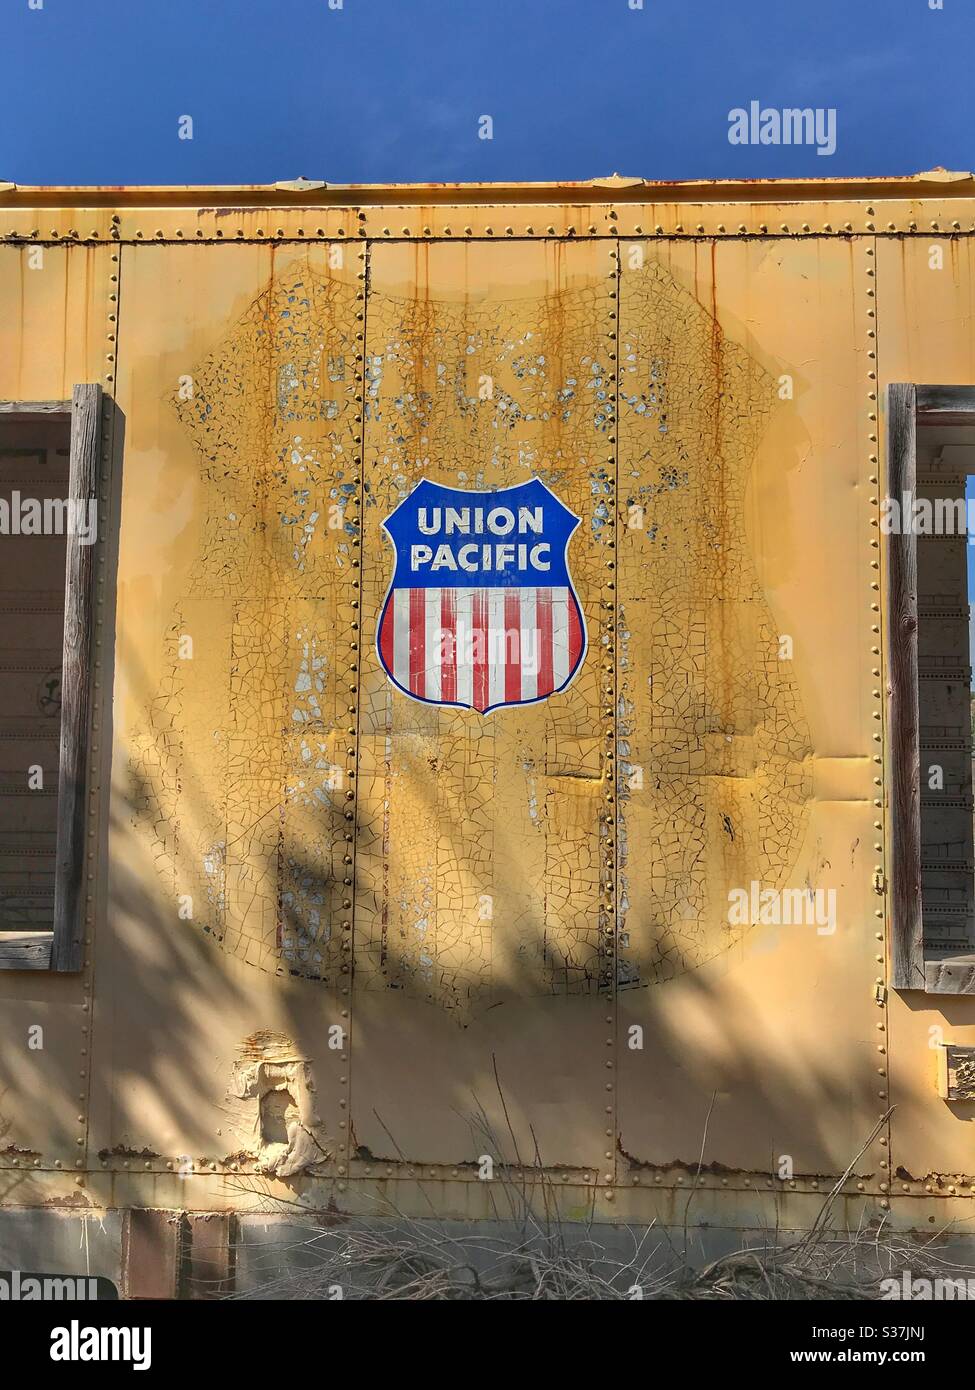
(910, 408)
(62, 949)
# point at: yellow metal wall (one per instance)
(446, 933)
(755, 767)
(58, 319)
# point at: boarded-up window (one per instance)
(930, 459)
(33, 470)
(944, 693)
(49, 535)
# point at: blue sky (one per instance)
(391, 90)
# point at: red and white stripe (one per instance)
(481, 647)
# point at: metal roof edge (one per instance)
(614, 188)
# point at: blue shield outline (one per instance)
(559, 525)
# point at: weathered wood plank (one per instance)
(25, 950)
(950, 975)
(945, 405)
(69, 903)
(29, 408)
(907, 963)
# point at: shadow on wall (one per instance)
(180, 1027)
(211, 1047)
(233, 1066)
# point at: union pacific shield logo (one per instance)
(481, 611)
